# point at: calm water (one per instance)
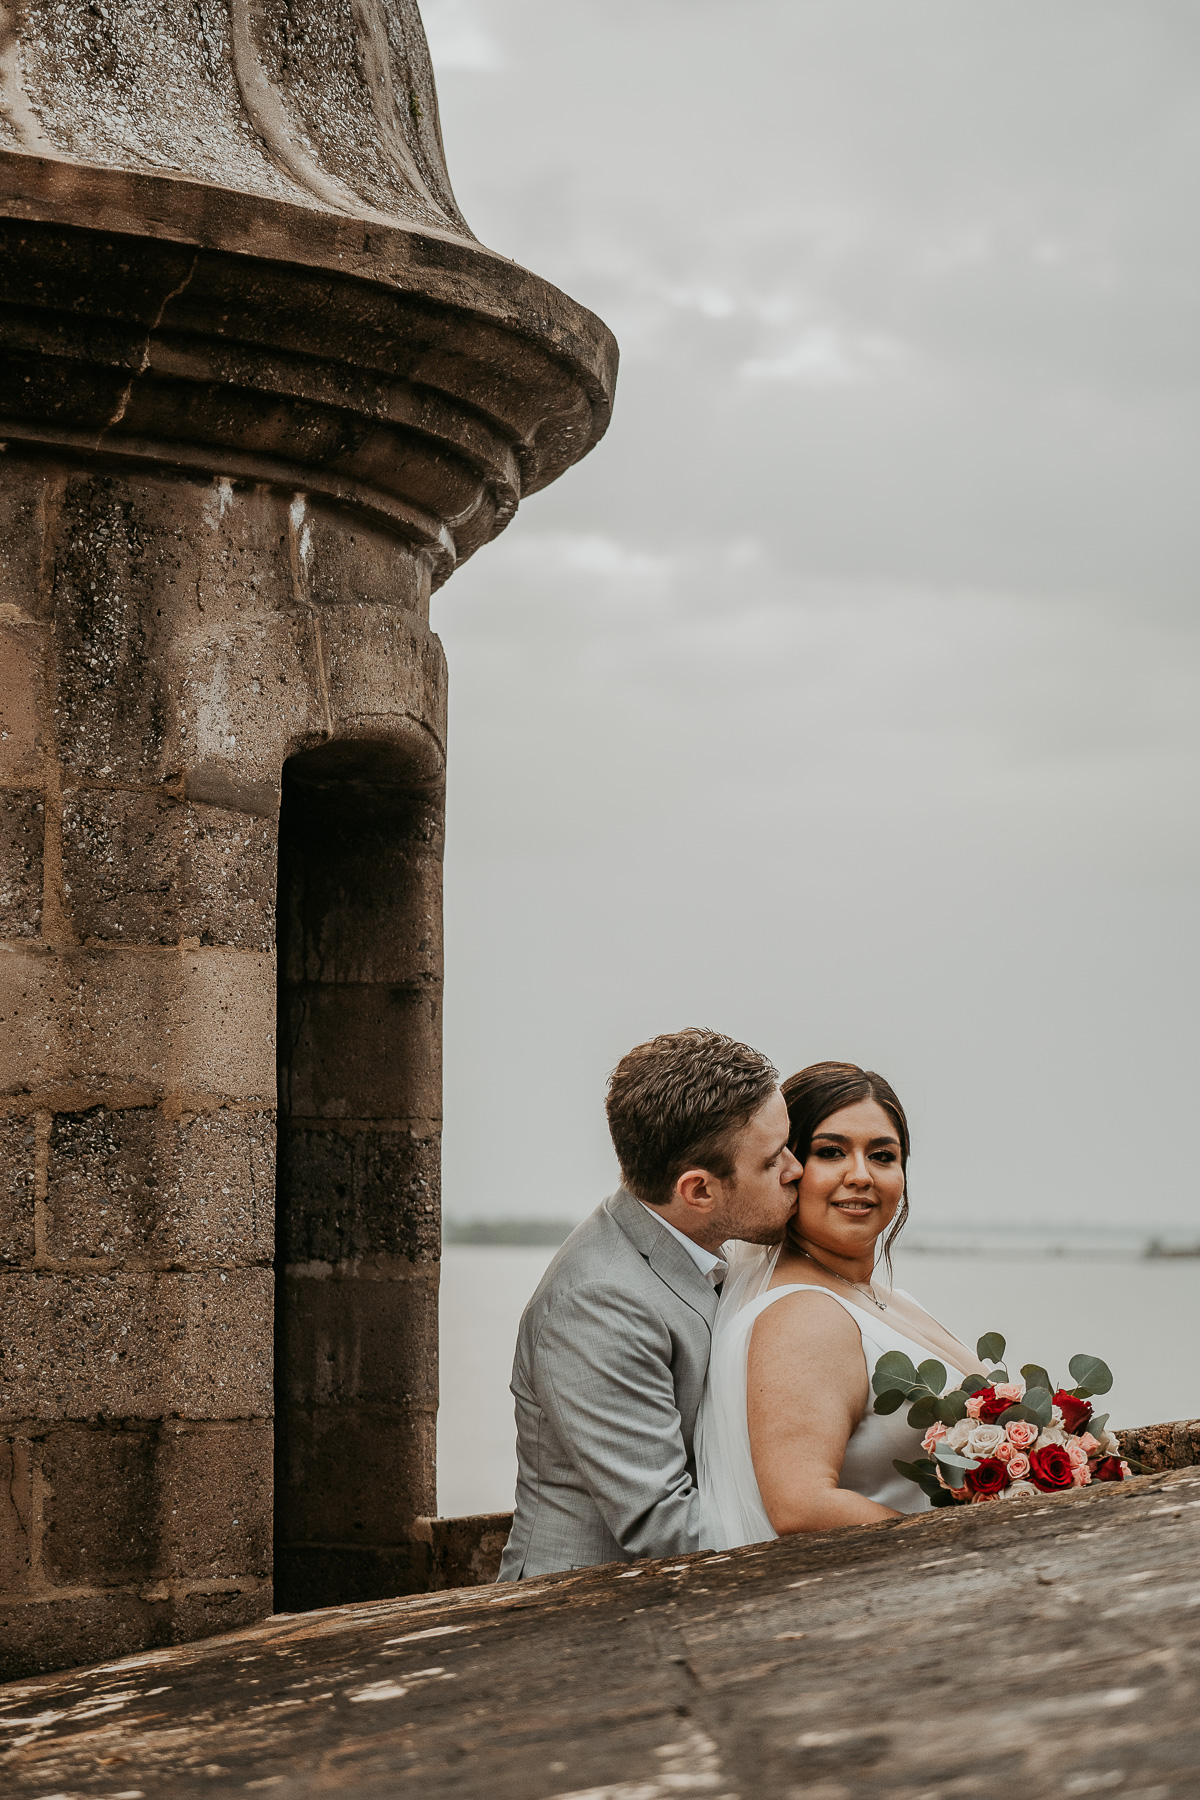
(1143, 1318)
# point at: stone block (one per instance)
(357, 1193)
(179, 641)
(22, 674)
(136, 1346)
(134, 1183)
(217, 1496)
(348, 559)
(353, 1341)
(467, 1551)
(99, 1507)
(16, 1514)
(18, 1150)
(22, 832)
(354, 1475)
(27, 485)
(308, 1576)
(383, 667)
(362, 900)
(43, 1633)
(31, 1049)
(199, 1021)
(146, 868)
(171, 1502)
(361, 1051)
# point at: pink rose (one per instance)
(1010, 1392)
(1077, 1453)
(974, 1406)
(1021, 1433)
(1004, 1452)
(1080, 1474)
(936, 1431)
(1090, 1444)
(1018, 1466)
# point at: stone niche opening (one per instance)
(357, 1220)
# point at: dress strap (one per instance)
(809, 1287)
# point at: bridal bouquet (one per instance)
(994, 1438)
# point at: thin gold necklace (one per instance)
(856, 1286)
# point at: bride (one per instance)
(786, 1439)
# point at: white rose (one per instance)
(985, 1440)
(1053, 1434)
(1110, 1443)
(1019, 1490)
(1056, 1415)
(958, 1434)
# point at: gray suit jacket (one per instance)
(611, 1358)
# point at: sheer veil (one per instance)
(731, 1509)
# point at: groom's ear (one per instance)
(694, 1189)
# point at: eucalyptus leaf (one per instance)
(1018, 1411)
(973, 1383)
(952, 1407)
(1093, 1376)
(898, 1367)
(997, 1375)
(923, 1412)
(942, 1498)
(953, 1460)
(1096, 1425)
(933, 1374)
(990, 1347)
(1038, 1401)
(910, 1471)
(1036, 1376)
(955, 1476)
(891, 1401)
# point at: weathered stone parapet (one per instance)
(1042, 1647)
(260, 392)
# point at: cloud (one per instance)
(458, 38)
(824, 357)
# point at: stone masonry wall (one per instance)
(168, 643)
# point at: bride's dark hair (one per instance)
(826, 1087)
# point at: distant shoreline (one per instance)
(549, 1233)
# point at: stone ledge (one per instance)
(840, 1666)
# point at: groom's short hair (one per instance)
(679, 1103)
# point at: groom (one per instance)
(613, 1347)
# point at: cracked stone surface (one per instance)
(1048, 1648)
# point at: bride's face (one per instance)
(853, 1181)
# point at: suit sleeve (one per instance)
(602, 1368)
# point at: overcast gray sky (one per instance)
(845, 698)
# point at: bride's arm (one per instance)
(806, 1390)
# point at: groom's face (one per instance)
(760, 1198)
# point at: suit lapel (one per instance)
(665, 1254)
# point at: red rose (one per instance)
(1050, 1469)
(991, 1477)
(989, 1407)
(1108, 1468)
(1076, 1412)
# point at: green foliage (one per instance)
(933, 1374)
(890, 1401)
(1036, 1376)
(990, 1347)
(952, 1407)
(894, 1370)
(973, 1383)
(1092, 1375)
(923, 1412)
(1038, 1401)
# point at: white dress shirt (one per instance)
(712, 1267)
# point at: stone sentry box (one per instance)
(260, 391)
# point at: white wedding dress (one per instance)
(731, 1508)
